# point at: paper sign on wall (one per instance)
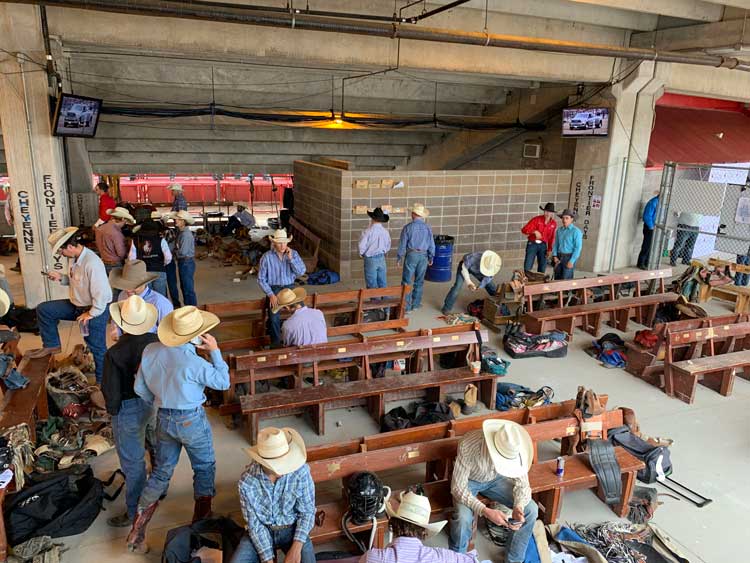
(386, 208)
(361, 184)
(387, 183)
(596, 202)
(360, 210)
(743, 211)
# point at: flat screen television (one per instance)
(585, 122)
(76, 116)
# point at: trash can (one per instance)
(442, 265)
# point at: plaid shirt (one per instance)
(279, 271)
(289, 501)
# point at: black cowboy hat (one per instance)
(549, 207)
(378, 215)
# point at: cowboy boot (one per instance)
(137, 536)
(202, 508)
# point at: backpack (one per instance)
(323, 277)
(395, 419)
(657, 458)
(215, 533)
(430, 413)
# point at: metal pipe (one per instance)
(167, 8)
(665, 198)
(618, 213)
(438, 10)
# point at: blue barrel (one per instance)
(442, 265)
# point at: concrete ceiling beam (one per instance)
(698, 10)
(702, 37)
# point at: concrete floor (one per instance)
(711, 453)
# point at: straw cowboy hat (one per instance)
(133, 274)
(242, 204)
(121, 213)
(289, 297)
(510, 447)
(156, 215)
(184, 324)
(184, 215)
(281, 450)
(175, 187)
(134, 315)
(59, 237)
(416, 509)
(4, 303)
(419, 209)
(490, 263)
(280, 235)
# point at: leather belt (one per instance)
(278, 528)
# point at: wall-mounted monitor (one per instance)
(76, 116)
(585, 122)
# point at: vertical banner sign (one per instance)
(584, 196)
(53, 219)
(28, 240)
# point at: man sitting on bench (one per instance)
(494, 462)
(277, 496)
(306, 326)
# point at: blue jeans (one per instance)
(177, 429)
(49, 313)
(282, 539)
(273, 325)
(450, 299)
(375, 271)
(186, 267)
(562, 272)
(684, 243)
(742, 279)
(415, 267)
(500, 490)
(538, 252)
(159, 285)
(174, 292)
(129, 430)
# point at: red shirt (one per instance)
(546, 229)
(105, 202)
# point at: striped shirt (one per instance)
(374, 240)
(306, 326)
(275, 270)
(411, 550)
(179, 203)
(416, 235)
(473, 463)
(290, 501)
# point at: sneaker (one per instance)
(120, 521)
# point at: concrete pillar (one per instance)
(608, 173)
(35, 158)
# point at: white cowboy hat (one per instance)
(4, 303)
(279, 235)
(156, 215)
(242, 204)
(416, 509)
(510, 447)
(175, 187)
(121, 213)
(59, 237)
(184, 324)
(281, 450)
(131, 275)
(419, 209)
(184, 215)
(289, 297)
(134, 315)
(490, 263)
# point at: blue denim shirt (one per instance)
(416, 235)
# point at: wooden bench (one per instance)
(733, 266)
(714, 355)
(29, 404)
(306, 243)
(737, 294)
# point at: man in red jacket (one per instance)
(105, 202)
(541, 233)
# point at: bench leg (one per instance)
(621, 319)
(567, 325)
(318, 415)
(628, 485)
(488, 393)
(593, 327)
(433, 394)
(721, 382)
(532, 325)
(684, 386)
(376, 407)
(253, 421)
(551, 502)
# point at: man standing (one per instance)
(483, 266)
(243, 218)
(106, 202)
(494, 462)
(567, 247)
(185, 252)
(688, 228)
(306, 326)
(89, 296)
(109, 238)
(278, 269)
(649, 221)
(131, 416)
(277, 496)
(172, 377)
(133, 279)
(149, 245)
(8, 209)
(374, 244)
(179, 203)
(541, 233)
(170, 237)
(416, 249)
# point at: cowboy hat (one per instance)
(419, 209)
(132, 275)
(279, 235)
(378, 215)
(4, 303)
(289, 297)
(134, 315)
(175, 187)
(281, 450)
(121, 213)
(548, 207)
(156, 215)
(242, 204)
(60, 237)
(490, 263)
(184, 324)
(568, 212)
(415, 509)
(184, 215)
(510, 447)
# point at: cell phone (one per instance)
(513, 522)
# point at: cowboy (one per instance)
(688, 229)
(131, 415)
(89, 296)
(8, 210)
(483, 266)
(106, 202)
(150, 246)
(243, 218)
(109, 238)
(374, 244)
(410, 525)
(278, 269)
(133, 279)
(305, 326)
(541, 233)
(185, 253)
(277, 496)
(649, 222)
(179, 203)
(494, 462)
(567, 247)
(173, 377)
(416, 249)
(170, 237)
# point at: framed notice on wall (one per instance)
(743, 211)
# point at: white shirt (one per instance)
(89, 286)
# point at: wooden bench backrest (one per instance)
(661, 329)
(304, 238)
(706, 334)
